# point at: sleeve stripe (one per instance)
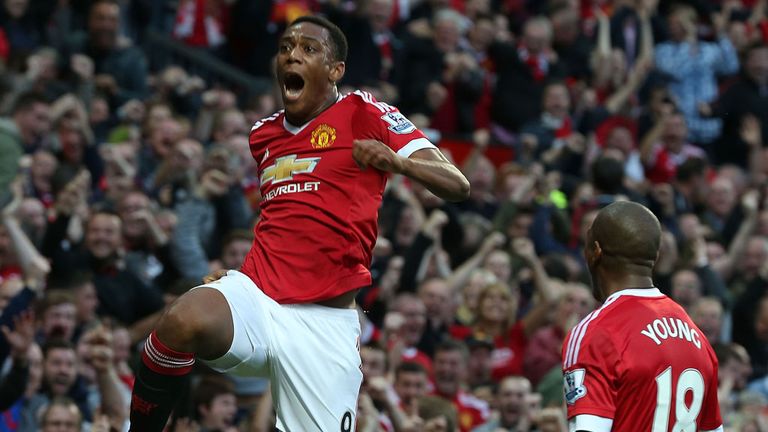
(580, 337)
(567, 361)
(415, 145)
(261, 122)
(577, 335)
(592, 423)
(572, 340)
(368, 98)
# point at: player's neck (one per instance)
(616, 283)
(299, 120)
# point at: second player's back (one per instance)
(662, 371)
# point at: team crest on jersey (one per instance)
(398, 123)
(574, 386)
(323, 136)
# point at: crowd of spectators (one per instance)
(121, 186)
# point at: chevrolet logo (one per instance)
(285, 167)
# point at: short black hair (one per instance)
(691, 168)
(339, 41)
(409, 367)
(482, 16)
(727, 352)
(57, 343)
(452, 345)
(556, 267)
(608, 175)
(54, 297)
(102, 212)
(209, 387)
(754, 46)
(237, 235)
(73, 281)
(26, 101)
(108, 2)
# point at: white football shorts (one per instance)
(309, 352)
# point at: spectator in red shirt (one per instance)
(497, 312)
(404, 327)
(450, 373)
(665, 147)
(543, 351)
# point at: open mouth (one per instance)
(293, 85)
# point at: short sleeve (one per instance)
(590, 376)
(383, 122)
(711, 419)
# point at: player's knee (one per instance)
(196, 322)
(183, 323)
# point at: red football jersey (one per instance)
(508, 352)
(319, 210)
(471, 411)
(639, 363)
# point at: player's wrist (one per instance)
(403, 165)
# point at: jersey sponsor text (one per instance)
(292, 188)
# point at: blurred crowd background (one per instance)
(125, 177)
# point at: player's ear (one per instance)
(597, 251)
(337, 71)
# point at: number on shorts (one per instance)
(685, 417)
(346, 422)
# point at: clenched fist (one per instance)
(376, 154)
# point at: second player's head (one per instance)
(623, 243)
(310, 61)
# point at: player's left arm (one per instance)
(711, 419)
(590, 376)
(428, 166)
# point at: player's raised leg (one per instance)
(198, 324)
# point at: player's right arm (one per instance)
(589, 363)
(428, 166)
(388, 141)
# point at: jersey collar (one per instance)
(296, 129)
(635, 292)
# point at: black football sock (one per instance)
(161, 374)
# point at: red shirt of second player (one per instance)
(639, 363)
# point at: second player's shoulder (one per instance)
(597, 320)
(590, 331)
